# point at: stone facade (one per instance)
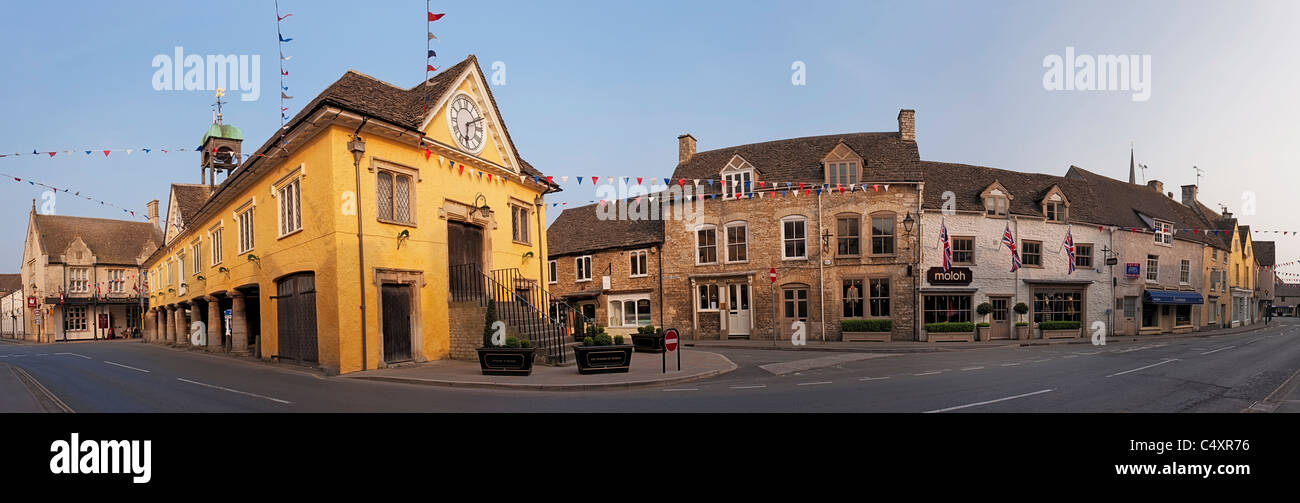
(745, 295)
(466, 322)
(611, 284)
(1135, 248)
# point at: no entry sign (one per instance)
(670, 339)
(772, 275)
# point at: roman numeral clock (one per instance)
(466, 123)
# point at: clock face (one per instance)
(466, 123)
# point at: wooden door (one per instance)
(397, 322)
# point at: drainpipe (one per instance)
(821, 266)
(916, 264)
(358, 148)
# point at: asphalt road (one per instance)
(1207, 374)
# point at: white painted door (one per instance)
(738, 309)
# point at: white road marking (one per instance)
(126, 366)
(213, 386)
(1084, 353)
(1070, 356)
(873, 378)
(986, 402)
(681, 389)
(972, 368)
(1217, 350)
(757, 386)
(1010, 364)
(1142, 368)
(813, 383)
(76, 355)
(928, 373)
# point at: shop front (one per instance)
(1059, 309)
(1169, 311)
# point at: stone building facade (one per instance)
(836, 217)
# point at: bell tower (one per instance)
(221, 145)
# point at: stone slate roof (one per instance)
(10, 283)
(967, 182)
(1119, 203)
(887, 157)
(1265, 252)
(189, 198)
(580, 231)
(116, 242)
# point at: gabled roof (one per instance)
(1243, 232)
(117, 242)
(968, 183)
(1122, 204)
(189, 198)
(581, 230)
(1265, 253)
(887, 157)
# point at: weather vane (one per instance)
(221, 93)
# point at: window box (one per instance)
(866, 330)
(1061, 329)
(950, 332)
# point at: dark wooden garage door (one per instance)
(397, 322)
(297, 318)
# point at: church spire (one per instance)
(1132, 168)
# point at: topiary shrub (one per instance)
(618, 340)
(488, 320)
(982, 324)
(1021, 308)
(588, 341)
(1022, 323)
(513, 342)
(984, 308)
(867, 325)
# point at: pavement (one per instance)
(647, 369)
(936, 347)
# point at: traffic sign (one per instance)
(772, 275)
(670, 339)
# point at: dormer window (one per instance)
(1164, 232)
(737, 178)
(1056, 208)
(842, 166)
(997, 201)
(1055, 212)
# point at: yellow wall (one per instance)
(328, 243)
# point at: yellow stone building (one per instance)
(336, 244)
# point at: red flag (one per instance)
(550, 180)
(681, 182)
(106, 152)
(593, 179)
(434, 17)
(431, 68)
(489, 177)
(427, 153)
(638, 180)
(462, 170)
(51, 154)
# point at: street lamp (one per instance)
(358, 148)
(484, 209)
(908, 221)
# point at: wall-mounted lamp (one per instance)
(358, 148)
(908, 222)
(483, 209)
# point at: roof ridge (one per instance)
(72, 217)
(786, 140)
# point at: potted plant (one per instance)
(648, 339)
(602, 354)
(984, 309)
(1022, 327)
(866, 330)
(1060, 329)
(503, 356)
(950, 332)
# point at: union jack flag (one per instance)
(1069, 248)
(1011, 245)
(947, 248)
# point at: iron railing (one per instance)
(519, 302)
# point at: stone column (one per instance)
(153, 325)
(238, 324)
(166, 319)
(147, 325)
(182, 328)
(214, 324)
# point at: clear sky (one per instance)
(605, 88)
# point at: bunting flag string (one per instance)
(430, 54)
(46, 154)
(284, 71)
(34, 183)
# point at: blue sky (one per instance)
(604, 88)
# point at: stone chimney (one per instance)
(1156, 185)
(153, 213)
(907, 124)
(1189, 195)
(685, 148)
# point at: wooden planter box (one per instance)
(603, 359)
(867, 336)
(506, 361)
(950, 336)
(648, 343)
(1062, 334)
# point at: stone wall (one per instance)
(466, 322)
